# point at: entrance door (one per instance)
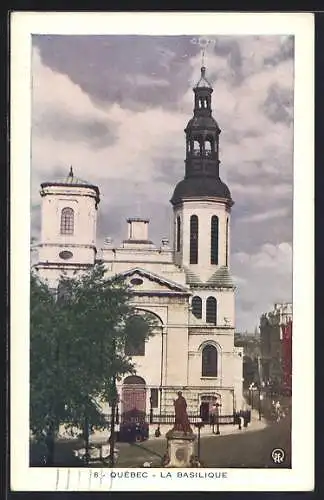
(133, 399)
(207, 406)
(204, 412)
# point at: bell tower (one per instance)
(201, 201)
(68, 232)
(202, 134)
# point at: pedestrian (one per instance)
(212, 414)
(278, 410)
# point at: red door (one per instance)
(133, 399)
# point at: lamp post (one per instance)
(86, 439)
(250, 394)
(217, 418)
(260, 403)
(253, 389)
(199, 425)
(157, 431)
(112, 423)
(151, 411)
(113, 403)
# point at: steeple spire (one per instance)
(202, 133)
(71, 172)
(202, 148)
(203, 82)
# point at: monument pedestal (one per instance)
(181, 449)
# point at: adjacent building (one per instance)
(188, 288)
(276, 342)
(250, 342)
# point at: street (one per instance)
(247, 449)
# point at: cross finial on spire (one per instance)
(202, 59)
(71, 171)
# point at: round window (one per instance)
(65, 254)
(136, 281)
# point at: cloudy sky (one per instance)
(115, 108)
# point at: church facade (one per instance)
(188, 288)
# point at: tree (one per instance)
(77, 347)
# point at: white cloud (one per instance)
(264, 277)
(252, 148)
(146, 81)
(263, 216)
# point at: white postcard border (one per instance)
(301, 25)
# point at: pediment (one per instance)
(143, 280)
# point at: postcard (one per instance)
(162, 251)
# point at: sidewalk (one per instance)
(206, 431)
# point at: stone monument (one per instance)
(180, 439)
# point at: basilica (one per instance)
(187, 286)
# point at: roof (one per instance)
(221, 278)
(191, 277)
(208, 186)
(202, 122)
(203, 82)
(71, 180)
(157, 278)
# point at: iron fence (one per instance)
(193, 419)
(169, 419)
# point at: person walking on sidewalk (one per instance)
(278, 411)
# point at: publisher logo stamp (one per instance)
(278, 455)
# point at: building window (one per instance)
(211, 310)
(134, 348)
(208, 147)
(67, 221)
(196, 147)
(194, 239)
(178, 233)
(214, 240)
(209, 361)
(226, 243)
(136, 330)
(154, 399)
(197, 307)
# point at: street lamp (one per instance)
(157, 431)
(86, 439)
(217, 418)
(151, 410)
(199, 425)
(253, 389)
(113, 403)
(260, 403)
(250, 394)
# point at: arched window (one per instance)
(135, 347)
(136, 330)
(214, 240)
(196, 307)
(211, 310)
(208, 147)
(67, 221)
(226, 244)
(209, 361)
(194, 239)
(196, 147)
(178, 247)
